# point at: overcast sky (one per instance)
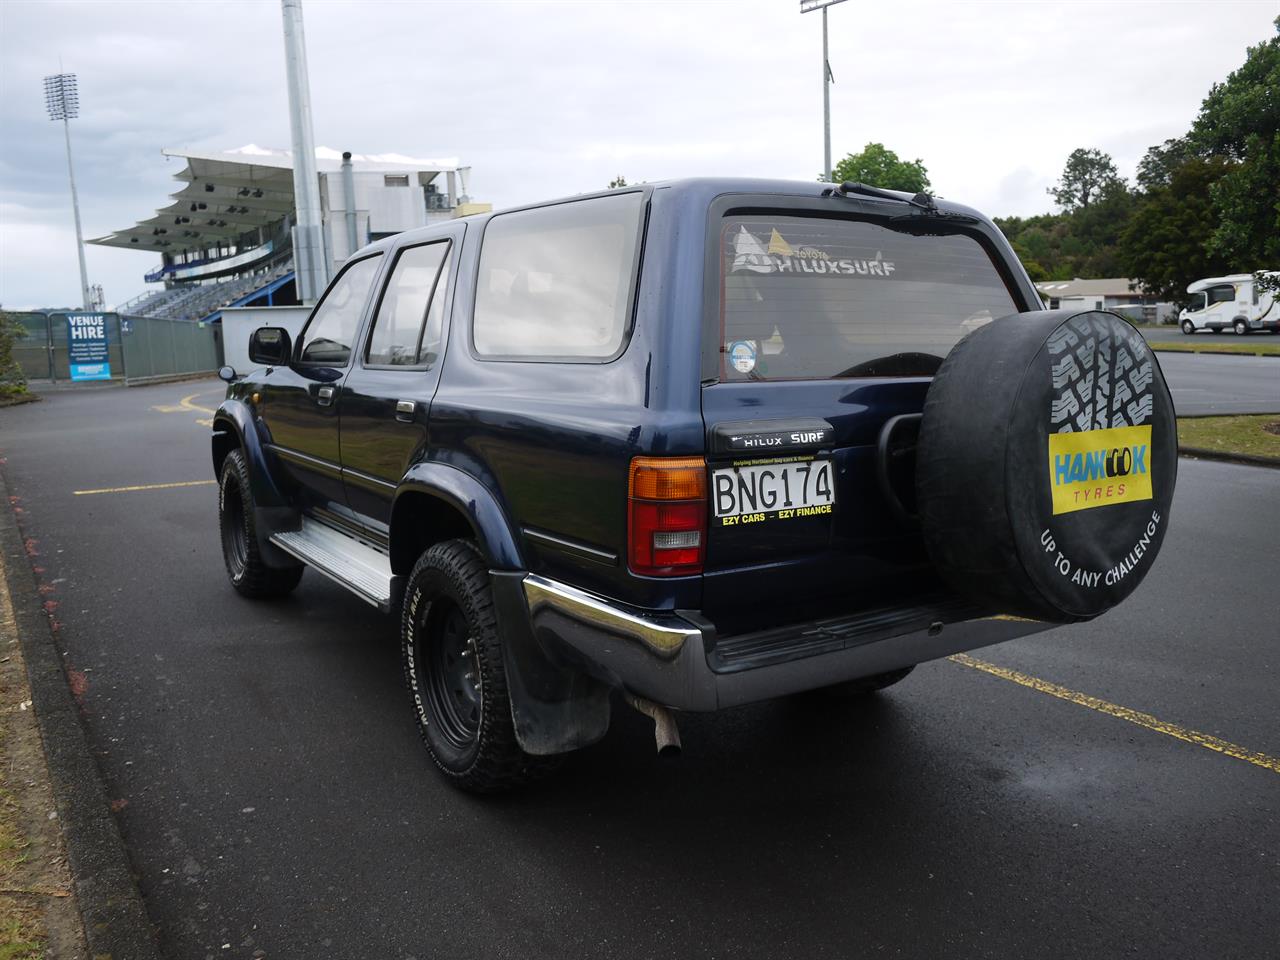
(547, 99)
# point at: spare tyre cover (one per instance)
(1046, 465)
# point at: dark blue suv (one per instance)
(700, 443)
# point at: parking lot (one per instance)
(1103, 790)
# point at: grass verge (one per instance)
(1248, 348)
(1232, 435)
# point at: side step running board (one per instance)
(360, 568)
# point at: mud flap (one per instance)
(555, 709)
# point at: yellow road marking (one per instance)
(183, 406)
(147, 486)
(1124, 713)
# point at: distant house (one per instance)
(1120, 294)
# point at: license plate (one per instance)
(773, 491)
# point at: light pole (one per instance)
(310, 266)
(62, 100)
(805, 7)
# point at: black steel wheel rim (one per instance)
(454, 693)
(234, 542)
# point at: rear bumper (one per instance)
(663, 656)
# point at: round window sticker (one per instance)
(742, 355)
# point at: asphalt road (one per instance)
(275, 798)
(1212, 384)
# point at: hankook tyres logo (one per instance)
(1096, 468)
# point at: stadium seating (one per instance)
(198, 301)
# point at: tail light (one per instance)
(667, 515)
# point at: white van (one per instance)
(1230, 303)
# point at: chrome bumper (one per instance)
(661, 656)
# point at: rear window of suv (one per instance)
(813, 298)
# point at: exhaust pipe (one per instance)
(665, 732)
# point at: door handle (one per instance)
(405, 409)
(324, 396)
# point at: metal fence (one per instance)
(139, 348)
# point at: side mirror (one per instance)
(228, 374)
(271, 347)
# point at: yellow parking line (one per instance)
(183, 406)
(147, 486)
(1124, 713)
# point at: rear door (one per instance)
(386, 399)
(824, 330)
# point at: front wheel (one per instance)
(1241, 328)
(1188, 327)
(452, 658)
(248, 573)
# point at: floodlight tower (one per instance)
(62, 100)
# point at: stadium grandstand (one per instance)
(226, 239)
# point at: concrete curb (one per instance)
(111, 908)
(1218, 353)
(1250, 459)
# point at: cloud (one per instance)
(547, 99)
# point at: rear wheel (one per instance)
(1188, 327)
(1241, 328)
(453, 666)
(249, 574)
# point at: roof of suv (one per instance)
(703, 189)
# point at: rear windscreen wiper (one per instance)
(923, 202)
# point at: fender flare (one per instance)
(474, 501)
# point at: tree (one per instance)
(1156, 168)
(618, 181)
(1164, 244)
(1088, 176)
(878, 166)
(1240, 120)
(12, 380)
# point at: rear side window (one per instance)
(811, 298)
(555, 282)
(410, 318)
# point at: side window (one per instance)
(410, 318)
(1222, 294)
(555, 282)
(332, 328)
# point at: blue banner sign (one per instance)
(87, 346)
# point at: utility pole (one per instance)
(62, 100)
(310, 267)
(805, 7)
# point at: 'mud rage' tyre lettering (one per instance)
(1046, 466)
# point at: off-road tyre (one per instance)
(1046, 464)
(476, 750)
(864, 686)
(249, 574)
